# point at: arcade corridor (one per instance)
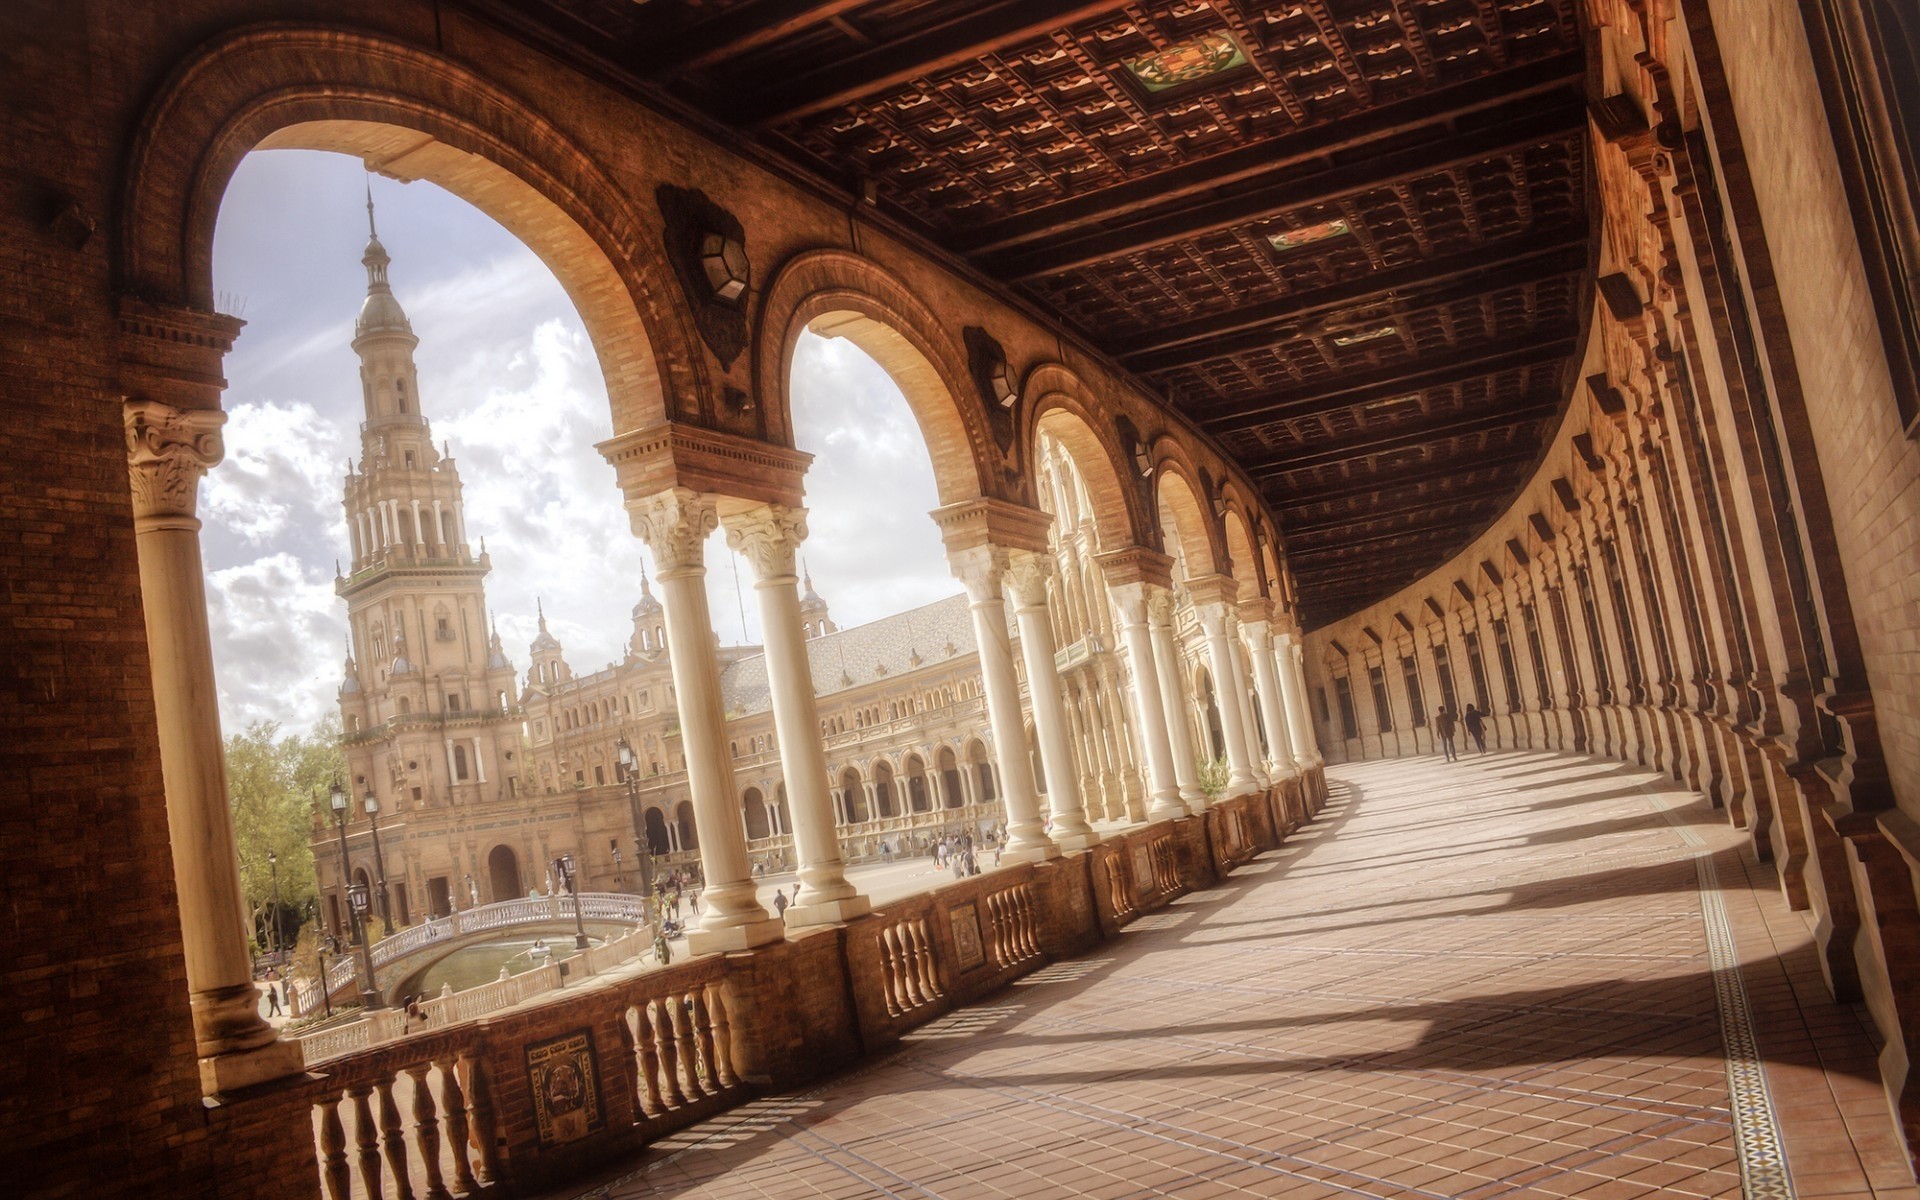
(1490, 979)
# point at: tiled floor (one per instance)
(1483, 979)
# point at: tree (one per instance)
(273, 786)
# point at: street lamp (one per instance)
(273, 928)
(356, 905)
(630, 767)
(619, 871)
(570, 880)
(379, 863)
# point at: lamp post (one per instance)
(372, 803)
(630, 767)
(565, 868)
(619, 871)
(326, 993)
(356, 906)
(273, 927)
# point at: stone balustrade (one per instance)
(526, 1084)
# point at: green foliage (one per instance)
(273, 785)
(1213, 775)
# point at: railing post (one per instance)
(480, 1120)
(456, 1106)
(366, 1139)
(426, 1131)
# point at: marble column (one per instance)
(1026, 579)
(1243, 691)
(1173, 698)
(1293, 692)
(675, 525)
(168, 450)
(1272, 706)
(1130, 601)
(981, 570)
(1214, 619)
(768, 536)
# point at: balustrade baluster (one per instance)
(703, 1033)
(909, 971)
(683, 1045)
(480, 1120)
(722, 1037)
(454, 1101)
(393, 1141)
(923, 955)
(996, 931)
(366, 1140)
(890, 988)
(669, 1053)
(333, 1152)
(646, 1063)
(426, 1132)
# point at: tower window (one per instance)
(409, 459)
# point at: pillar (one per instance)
(1163, 800)
(168, 450)
(1173, 697)
(1243, 693)
(768, 536)
(675, 525)
(1027, 579)
(981, 570)
(1272, 710)
(1214, 619)
(1289, 654)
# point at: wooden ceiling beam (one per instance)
(1348, 520)
(1512, 262)
(1424, 530)
(1374, 481)
(977, 30)
(1474, 361)
(1554, 119)
(741, 30)
(1429, 114)
(1403, 438)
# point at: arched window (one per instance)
(460, 766)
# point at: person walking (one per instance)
(1476, 723)
(779, 903)
(273, 997)
(1443, 725)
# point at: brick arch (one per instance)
(1241, 557)
(1062, 407)
(415, 115)
(1177, 490)
(837, 293)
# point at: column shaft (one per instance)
(1166, 664)
(767, 537)
(1164, 803)
(1027, 579)
(1213, 618)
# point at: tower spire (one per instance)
(371, 231)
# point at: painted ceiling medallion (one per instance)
(1207, 55)
(1306, 235)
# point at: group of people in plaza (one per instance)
(955, 853)
(1446, 725)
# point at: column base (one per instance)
(729, 939)
(1044, 852)
(241, 1069)
(827, 912)
(1070, 842)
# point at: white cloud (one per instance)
(281, 459)
(277, 636)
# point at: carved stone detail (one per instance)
(768, 537)
(675, 524)
(168, 450)
(1027, 576)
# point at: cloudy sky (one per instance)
(508, 377)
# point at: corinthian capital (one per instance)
(768, 536)
(1160, 605)
(168, 450)
(675, 524)
(1028, 572)
(980, 569)
(1131, 600)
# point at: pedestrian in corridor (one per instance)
(779, 903)
(1476, 723)
(1443, 725)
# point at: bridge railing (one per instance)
(503, 914)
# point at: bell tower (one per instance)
(428, 701)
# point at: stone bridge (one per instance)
(411, 951)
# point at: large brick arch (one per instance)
(1247, 570)
(841, 294)
(1177, 489)
(414, 114)
(1061, 406)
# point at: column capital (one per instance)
(1132, 600)
(168, 450)
(981, 569)
(1214, 616)
(768, 536)
(1160, 605)
(1135, 564)
(1027, 576)
(987, 522)
(1213, 589)
(675, 524)
(1259, 632)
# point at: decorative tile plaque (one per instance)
(967, 946)
(566, 1087)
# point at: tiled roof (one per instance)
(852, 657)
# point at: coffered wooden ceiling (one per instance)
(1349, 238)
